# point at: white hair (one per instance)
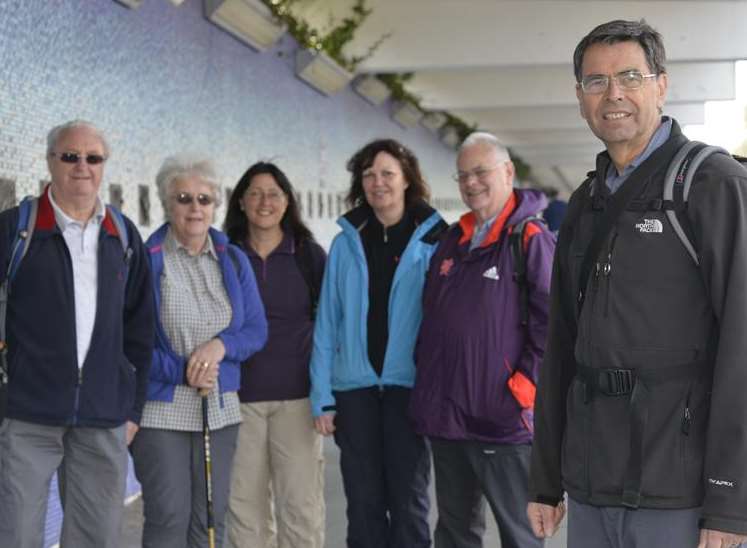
(485, 138)
(185, 165)
(58, 131)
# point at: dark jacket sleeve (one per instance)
(540, 248)
(555, 375)
(717, 207)
(138, 319)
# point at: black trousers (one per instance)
(469, 472)
(385, 469)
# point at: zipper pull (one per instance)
(607, 267)
(386, 238)
(80, 376)
(608, 264)
(686, 420)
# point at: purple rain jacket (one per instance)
(471, 341)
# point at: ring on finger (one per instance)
(205, 365)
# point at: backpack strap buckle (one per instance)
(616, 382)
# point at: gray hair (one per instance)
(617, 31)
(58, 131)
(485, 138)
(184, 165)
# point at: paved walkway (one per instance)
(336, 522)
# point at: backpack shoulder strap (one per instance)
(19, 245)
(119, 223)
(677, 183)
(27, 210)
(124, 238)
(518, 254)
(305, 263)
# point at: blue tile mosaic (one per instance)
(162, 79)
(159, 80)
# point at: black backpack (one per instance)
(312, 276)
(518, 254)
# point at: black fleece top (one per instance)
(383, 248)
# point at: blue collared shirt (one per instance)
(481, 231)
(615, 180)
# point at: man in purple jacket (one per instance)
(476, 363)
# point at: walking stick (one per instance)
(208, 473)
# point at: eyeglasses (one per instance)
(185, 198)
(481, 173)
(75, 157)
(594, 84)
(257, 196)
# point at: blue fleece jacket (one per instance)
(340, 357)
(245, 335)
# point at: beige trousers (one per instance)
(277, 485)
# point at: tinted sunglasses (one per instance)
(185, 198)
(74, 158)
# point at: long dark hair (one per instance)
(417, 189)
(236, 224)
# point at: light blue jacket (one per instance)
(340, 357)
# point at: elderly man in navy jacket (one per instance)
(478, 353)
(80, 338)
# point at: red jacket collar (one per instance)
(45, 219)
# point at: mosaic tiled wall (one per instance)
(162, 79)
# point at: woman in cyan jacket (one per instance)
(362, 368)
(209, 318)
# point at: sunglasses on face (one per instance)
(185, 198)
(74, 158)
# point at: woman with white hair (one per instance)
(209, 318)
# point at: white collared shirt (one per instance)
(83, 244)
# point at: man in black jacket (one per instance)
(640, 412)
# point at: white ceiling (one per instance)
(506, 65)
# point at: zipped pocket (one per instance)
(687, 416)
(604, 270)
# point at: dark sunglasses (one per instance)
(185, 198)
(74, 158)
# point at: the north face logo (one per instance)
(650, 225)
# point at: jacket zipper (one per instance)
(77, 396)
(607, 272)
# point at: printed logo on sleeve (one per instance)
(722, 483)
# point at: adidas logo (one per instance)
(650, 226)
(491, 273)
